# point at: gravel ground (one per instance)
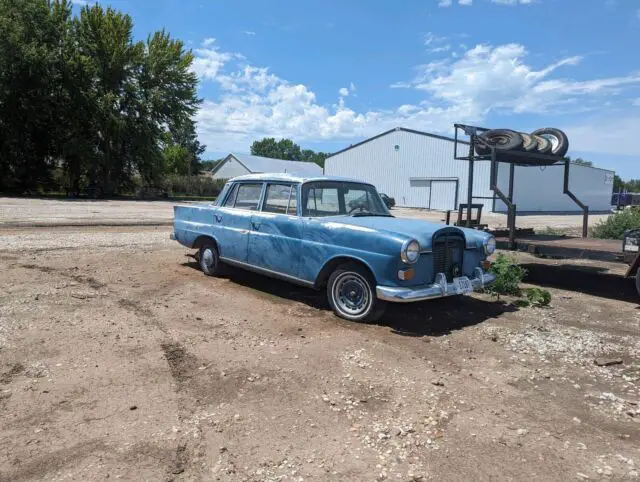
(123, 361)
(15, 212)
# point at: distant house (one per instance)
(239, 164)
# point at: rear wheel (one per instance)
(209, 260)
(351, 291)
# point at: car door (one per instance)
(232, 220)
(276, 230)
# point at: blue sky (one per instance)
(329, 73)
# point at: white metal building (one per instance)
(418, 169)
(239, 164)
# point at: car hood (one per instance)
(420, 230)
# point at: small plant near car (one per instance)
(509, 275)
(616, 224)
(538, 296)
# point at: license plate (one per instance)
(462, 285)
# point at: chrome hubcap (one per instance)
(351, 294)
(208, 259)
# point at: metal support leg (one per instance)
(505, 199)
(585, 209)
(512, 219)
(470, 184)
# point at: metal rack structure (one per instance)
(512, 158)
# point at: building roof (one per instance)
(276, 176)
(258, 164)
(435, 136)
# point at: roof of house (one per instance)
(435, 136)
(277, 176)
(258, 164)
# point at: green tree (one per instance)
(81, 97)
(580, 161)
(286, 149)
(30, 71)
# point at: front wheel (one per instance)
(638, 282)
(351, 291)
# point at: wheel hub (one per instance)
(207, 258)
(351, 294)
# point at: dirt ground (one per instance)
(120, 360)
(18, 212)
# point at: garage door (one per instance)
(443, 195)
(419, 193)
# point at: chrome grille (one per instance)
(447, 256)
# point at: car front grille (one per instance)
(448, 251)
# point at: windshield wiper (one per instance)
(362, 215)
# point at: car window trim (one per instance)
(341, 201)
(241, 183)
(292, 186)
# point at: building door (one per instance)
(444, 194)
(419, 193)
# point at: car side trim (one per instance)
(268, 272)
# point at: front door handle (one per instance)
(218, 218)
(255, 224)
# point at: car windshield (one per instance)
(331, 198)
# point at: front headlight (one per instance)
(489, 245)
(410, 251)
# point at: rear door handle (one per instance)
(256, 225)
(218, 218)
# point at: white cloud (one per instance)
(638, 14)
(209, 60)
(254, 102)
(444, 3)
(430, 39)
(443, 48)
(465, 2)
(248, 32)
(636, 102)
(79, 2)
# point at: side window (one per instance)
(322, 201)
(293, 201)
(231, 198)
(248, 196)
(277, 198)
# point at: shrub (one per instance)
(192, 185)
(616, 224)
(538, 296)
(509, 275)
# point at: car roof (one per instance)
(266, 176)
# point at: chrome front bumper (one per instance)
(440, 289)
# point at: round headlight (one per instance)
(489, 245)
(410, 251)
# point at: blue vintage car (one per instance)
(333, 233)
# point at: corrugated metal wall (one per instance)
(402, 165)
(539, 189)
(406, 166)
